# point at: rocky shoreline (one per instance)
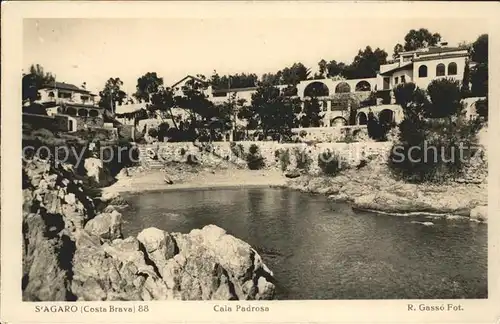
(365, 181)
(372, 188)
(73, 249)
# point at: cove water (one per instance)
(323, 250)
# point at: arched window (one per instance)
(440, 69)
(363, 86)
(342, 87)
(71, 111)
(93, 113)
(338, 122)
(362, 119)
(422, 71)
(316, 89)
(452, 68)
(82, 112)
(386, 116)
(51, 94)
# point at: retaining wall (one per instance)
(352, 153)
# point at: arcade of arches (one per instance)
(320, 89)
(82, 112)
(385, 116)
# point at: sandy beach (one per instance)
(152, 180)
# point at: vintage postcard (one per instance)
(250, 162)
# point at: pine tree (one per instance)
(465, 89)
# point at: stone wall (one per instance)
(353, 153)
(332, 134)
(97, 122)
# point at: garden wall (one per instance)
(351, 153)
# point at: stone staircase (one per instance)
(147, 161)
(206, 148)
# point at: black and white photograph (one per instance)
(252, 158)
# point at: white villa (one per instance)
(60, 92)
(424, 65)
(420, 67)
(77, 104)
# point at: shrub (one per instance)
(153, 132)
(482, 108)
(330, 163)
(370, 101)
(420, 163)
(43, 133)
(434, 154)
(237, 150)
(254, 149)
(255, 160)
(349, 137)
(376, 130)
(192, 159)
(283, 156)
(163, 131)
(362, 163)
(303, 160)
(303, 133)
(435, 149)
(445, 98)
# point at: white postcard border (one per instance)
(374, 311)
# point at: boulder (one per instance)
(44, 278)
(112, 198)
(220, 261)
(292, 173)
(388, 202)
(107, 226)
(479, 213)
(123, 174)
(158, 245)
(167, 179)
(116, 270)
(93, 168)
(67, 256)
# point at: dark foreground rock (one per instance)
(292, 174)
(75, 251)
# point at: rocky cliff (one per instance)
(73, 249)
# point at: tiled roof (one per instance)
(129, 108)
(434, 57)
(234, 90)
(65, 86)
(398, 68)
(433, 50)
(75, 105)
(188, 77)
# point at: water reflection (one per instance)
(321, 250)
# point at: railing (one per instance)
(59, 101)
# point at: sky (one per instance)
(93, 50)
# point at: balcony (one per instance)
(60, 101)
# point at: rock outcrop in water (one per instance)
(372, 187)
(73, 249)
